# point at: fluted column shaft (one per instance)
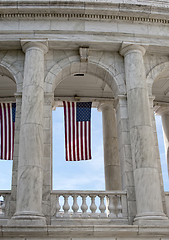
(111, 155)
(29, 187)
(146, 176)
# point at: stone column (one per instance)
(145, 169)
(47, 158)
(125, 155)
(12, 205)
(156, 150)
(111, 154)
(30, 170)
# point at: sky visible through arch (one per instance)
(82, 175)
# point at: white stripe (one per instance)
(83, 140)
(87, 139)
(67, 127)
(11, 131)
(80, 155)
(7, 125)
(3, 136)
(75, 134)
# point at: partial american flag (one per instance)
(7, 127)
(77, 130)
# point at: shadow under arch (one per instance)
(11, 72)
(7, 82)
(62, 70)
(156, 73)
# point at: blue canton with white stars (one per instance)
(83, 111)
(13, 111)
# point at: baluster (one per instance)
(102, 207)
(119, 207)
(124, 205)
(111, 206)
(93, 206)
(3, 205)
(58, 207)
(66, 206)
(75, 206)
(84, 206)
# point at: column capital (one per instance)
(104, 105)
(120, 100)
(18, 95)
(127, 48)
(40, 44)
(161, 109)
(151, 100)
(49, 99)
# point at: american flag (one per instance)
(7, 127)
(77, 117)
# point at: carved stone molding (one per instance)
(84, 16)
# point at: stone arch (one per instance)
(66, 67)
(156, 73)
(13, 73)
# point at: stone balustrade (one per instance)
(89, 204)
(4, 203)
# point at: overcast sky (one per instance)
(82, 175)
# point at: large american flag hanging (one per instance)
(77, 117)
(7, 127)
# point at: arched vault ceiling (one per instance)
(161, 89)
(7, 86)
(85, 85)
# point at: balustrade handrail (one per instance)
(89, 204)
(4, 203)
(95, 192)
(5, 192)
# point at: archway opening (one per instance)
(160, 90)
(81, 175)
(7, 91)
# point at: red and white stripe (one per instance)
(77, 135)
(7, 127)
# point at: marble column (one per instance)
(12, 205)
(145, 168)
(30, 170)
(111, 154)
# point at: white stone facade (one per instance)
(123, 46)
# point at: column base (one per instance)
(155, 219)
(27, 219)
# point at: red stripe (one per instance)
(77, 135)
(5, 118)
(85, 136)
(3, 134)
(69, 131)
(81, 139)
(73, 123)
(89, 132)
(65, 118)
(10, 132)
(13, 130)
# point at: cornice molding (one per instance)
(82, 16)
